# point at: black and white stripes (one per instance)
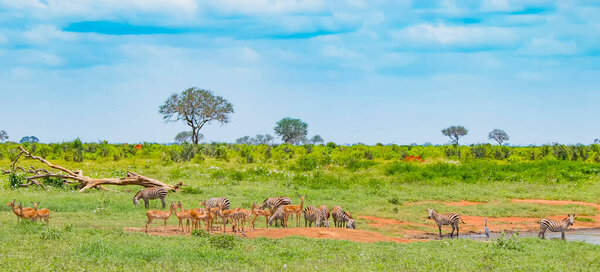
(342, 218)
(275, 202)
(151, 193)
(554, 226)
(221, 202)
(451, 219)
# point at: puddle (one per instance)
(591, 236)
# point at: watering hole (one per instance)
(591, 236)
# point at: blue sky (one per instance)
(355, 71)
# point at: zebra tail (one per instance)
(462, 220)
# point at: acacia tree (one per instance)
(317, 139)
(185, 137)
(499, 136)
(292, 131)
(29, 139)
(455, 133)
(3, 136)
(196, 107)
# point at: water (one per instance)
(591, 236)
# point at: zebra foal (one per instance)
(151, 193)
(451, 219)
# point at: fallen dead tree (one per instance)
(34, 175)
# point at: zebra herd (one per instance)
(276, 210)
(279, 209)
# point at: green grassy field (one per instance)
(86, 230)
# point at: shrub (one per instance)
(307, 163)
(191, 190)
(50, 233)
(200, 233)
(223, 241)
(16, 180)
(53, 182)
(510, 243)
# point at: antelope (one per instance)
(16, 209)
(293, 209)
(27, 214)
(197, 215)
(183, 215)
(240, 217)
(41, 213)
(211, 213)
(226, 215)
(258, 212)
(154, 214)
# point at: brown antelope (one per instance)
(258, 212)
(154, 214)
(241, 216)
(293, 209)
(197, 216)
(16, 209)
(211, 214)
(225, 216)
(27, 214)
(183, 215)
(41, 213)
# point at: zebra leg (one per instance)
(440, 229)
(562, 234)
(452, 232)
(147, 203)
(162, 199)
(456, 229)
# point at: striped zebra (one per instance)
(275, 202)
(277, 216)
(312, 215)
(562, 226)
(342, 218)
(324, 216)
(445, 219)
(151, 193)
(221, 202)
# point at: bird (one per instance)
(487, 231)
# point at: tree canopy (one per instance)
(455, 133)
(3, 136)
(499, 136)
(185, 137)
(292, 131)
(196, 107)
(317, 139)
(29, 139)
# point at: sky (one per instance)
(356, 71)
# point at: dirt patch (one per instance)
(457, 203)
(319, 233)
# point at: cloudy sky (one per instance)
(355, 71)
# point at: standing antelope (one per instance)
(183, 215)
(293, 209)
(225, 216)
(211, 213)
(27, 214)
(240, 217)
(154, 214)
(324, 216)
(312, 215)
(560, 226)
(41, 213)
(342, 218)
(151, 193)
(445, 219)
(16, 209)
(256, 212)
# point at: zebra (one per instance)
(445, 219)
(151, 193)
(221, 202)
(312, 215)
(342, 218)
(278, 215)
(275, 202)
(562, 226)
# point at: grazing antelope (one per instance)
(27, 214)
(197, 216)
(256, 212)
(183, 215)
(293, 209)
(560, 226)
(277, 216)
(151, 193)
(225, 216)
(342, 218)
(445, 219)
(312, 215)
(324, 216)
(154, 214)
(42, 214)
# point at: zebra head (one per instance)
(571, 219)
(350, 224)
(431, 211)
(136, 198)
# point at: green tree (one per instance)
(317, 139)
(3, 136)
(29, 139)
(244, 140)
(185, 137)
(455, 133)
(196, 107)
(292, 131)
(262, 139)
(499, 136)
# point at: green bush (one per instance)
(53, 182)
(200, 233)
(16, 180)
(508, 243)
(223, 241)
(50, 233)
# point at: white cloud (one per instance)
(463, 36)
(42, 34)
(267, 6)
(549, 46)
(249, 55)
(339, 52)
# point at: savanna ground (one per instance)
(93, 230)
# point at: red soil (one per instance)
(458, 203)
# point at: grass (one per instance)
(86, 230)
